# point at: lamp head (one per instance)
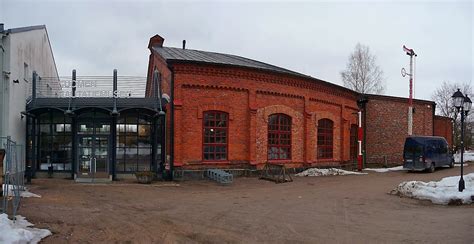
(458, 99)
(467, 104)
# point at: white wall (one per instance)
(33, 48)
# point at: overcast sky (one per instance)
(314, 38)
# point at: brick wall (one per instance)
(387, 126)
(249, 97)
(443, 126)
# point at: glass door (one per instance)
(85, 152)
(101, 156)
(93, 149)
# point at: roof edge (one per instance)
(24, 29)
(298, 75)
(380, 97)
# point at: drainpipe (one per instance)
(2, 82)
(433, 119)
(171, 123)
(364, 163)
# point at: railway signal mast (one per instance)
(410, 53)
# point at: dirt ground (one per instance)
(336, 209)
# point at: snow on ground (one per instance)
(468, 156)
(24, 193)
(384, 170)
(439, 192)
(20, 231)
(327, 172)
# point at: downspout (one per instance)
(2, 88)
(170, 67)
(364, 163)
(433, 119)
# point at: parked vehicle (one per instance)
(426, 153)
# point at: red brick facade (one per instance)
(249, 96)
(387, 126)
(443, 126)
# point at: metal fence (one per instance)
(13, 175)
(89, 86)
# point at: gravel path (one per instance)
(341, 209)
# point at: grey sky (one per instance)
(313, 38)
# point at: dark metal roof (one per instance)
(400, 99)
(172, 54)
(189, 55)
(23, 29)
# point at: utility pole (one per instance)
(410, 53)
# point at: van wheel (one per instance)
(432, 168)
(451, 165)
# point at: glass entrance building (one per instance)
(92, 128)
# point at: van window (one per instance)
(443, 147)
(412, 148)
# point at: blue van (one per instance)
(426, 153)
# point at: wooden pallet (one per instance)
(276, 173)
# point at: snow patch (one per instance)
(24, 193)
(468, 157)
(384, 170)
(20, 231)
(327, 172)
(438, 192)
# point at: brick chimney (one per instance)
(156, 41)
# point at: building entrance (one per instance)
(93, 153)
(93, 146)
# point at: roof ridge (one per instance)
(240, 58)
(200, 56)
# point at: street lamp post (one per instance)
(463, 104)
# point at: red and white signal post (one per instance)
(410, 53)
(360, 134)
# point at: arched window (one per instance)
(325, 139)
(279, 137)
(215, 129)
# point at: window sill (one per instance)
(325, 160)
(215, 162)
(279, 161)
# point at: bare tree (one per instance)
(445, 107)
(362, 73)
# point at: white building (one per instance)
(22, 51)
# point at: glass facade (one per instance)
(54, 141)
(134, 141)
(91, 140)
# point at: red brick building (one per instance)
(387, 126)
(233, 112)
(443, 126)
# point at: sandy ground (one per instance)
(336, 209)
